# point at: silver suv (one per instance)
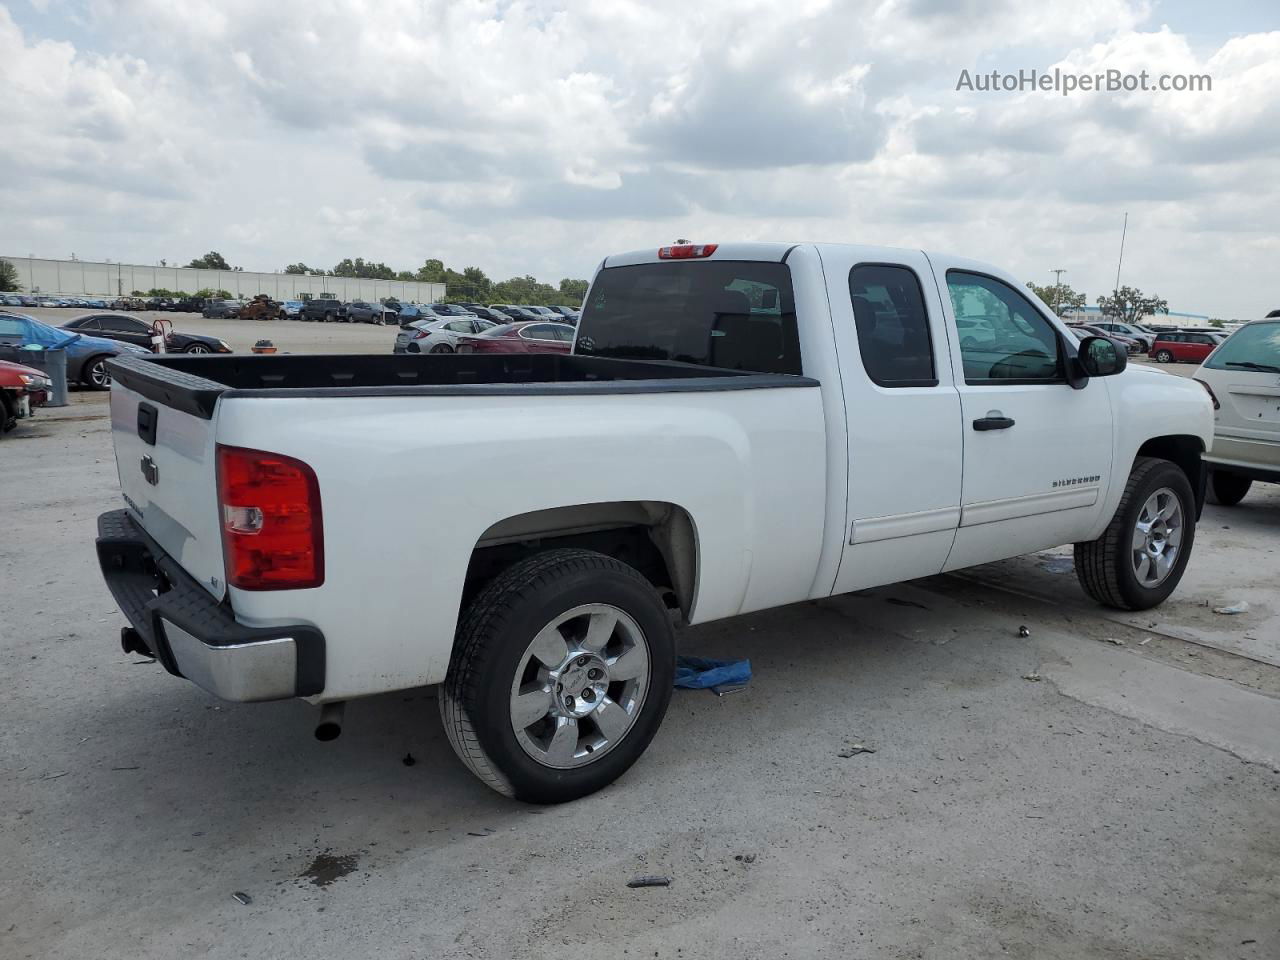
(1243, 375)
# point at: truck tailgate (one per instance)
(165, 458)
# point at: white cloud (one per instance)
(535, 137)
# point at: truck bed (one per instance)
(194, 384)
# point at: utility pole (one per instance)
(1057, 290)
(1123, 233)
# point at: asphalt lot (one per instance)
(1126, 804)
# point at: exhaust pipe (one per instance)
(330, 725)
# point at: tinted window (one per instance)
(539, 331)
(1002, 336)
(735, 314)
(88, 323)
(123, 324)
(1258, 344)
(459, 326)
(12, 327)
(893, 329)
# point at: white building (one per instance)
(89, 278)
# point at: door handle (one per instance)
(993, 423)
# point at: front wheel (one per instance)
(328, 317)
(1141, 556)
(198, 348)
(1227, 489)
(561, 673)
(442, 348)
(96, 375)
(1164, 356)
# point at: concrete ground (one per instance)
(1108, 787)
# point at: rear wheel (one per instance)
(1164, 356)
(328, 317)
(561, 674)
(1140, 557)
(442, 348)
(1227, 489)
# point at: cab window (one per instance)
(1003, 338)
(893, 328)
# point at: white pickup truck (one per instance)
(738, 427)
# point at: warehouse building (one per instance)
(92, 279)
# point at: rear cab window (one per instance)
(735, 314)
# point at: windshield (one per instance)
(721, 313)
(49, 337)
(449, 310)
(1256, 345)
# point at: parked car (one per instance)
(22, 389)
(11, 300)
(361, 311)
(191, 305)
(438, 336)
(1243, 377)
(221, 310)
(570, 314)
(290, 310)
(706, 447)
(160, 303)
(126, 329)
(86, 356)
(1133, 332)
(324, 310)
(488, 313)
(1130, 345)
(535, 337)
(261, 307)
(437, 311)
(544, 313)
(1181, 347)
(514, 312)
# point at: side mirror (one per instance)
(1101, 357)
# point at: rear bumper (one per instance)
(192, 634)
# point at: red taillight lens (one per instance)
(272, 534)
(1212, 396)
(422, 334)
(686, 251)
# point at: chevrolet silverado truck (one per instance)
(738, 427)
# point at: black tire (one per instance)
(441, 348)
(1163, 356)
(1226, 489)
(94, 373)
(328, 317)
(1104, 566)
(8, 415)
(493, 636)
(198, 348)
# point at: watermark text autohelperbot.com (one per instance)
(1066, 83)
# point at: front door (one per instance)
(1037, 453)
(902, 414)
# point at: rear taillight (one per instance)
(1212, 396)
(272, 534)
(686, 251)
(422, 334)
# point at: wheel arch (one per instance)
(1186, 451)
(657, 537)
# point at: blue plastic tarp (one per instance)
(700, 673)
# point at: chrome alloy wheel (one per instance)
(1157, 537)
(580, 686)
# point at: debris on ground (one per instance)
(853, 749)
(649, 882)
(242, 898)
(718, 676)
(1233, 609)
(485, 832)
(1033, 677)
(1143, 643)
(1115, 641)
(1054, 564)
(408, 760)
(745, 858)
(1024, 632)
(897, 602)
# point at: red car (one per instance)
(528, 337)
(1183, 346)
(21, 390)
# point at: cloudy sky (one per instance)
(531, 137)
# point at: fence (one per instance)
(91, 278)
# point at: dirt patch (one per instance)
(328, 867)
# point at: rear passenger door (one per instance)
(903, 418)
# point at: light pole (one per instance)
(1057, 290)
